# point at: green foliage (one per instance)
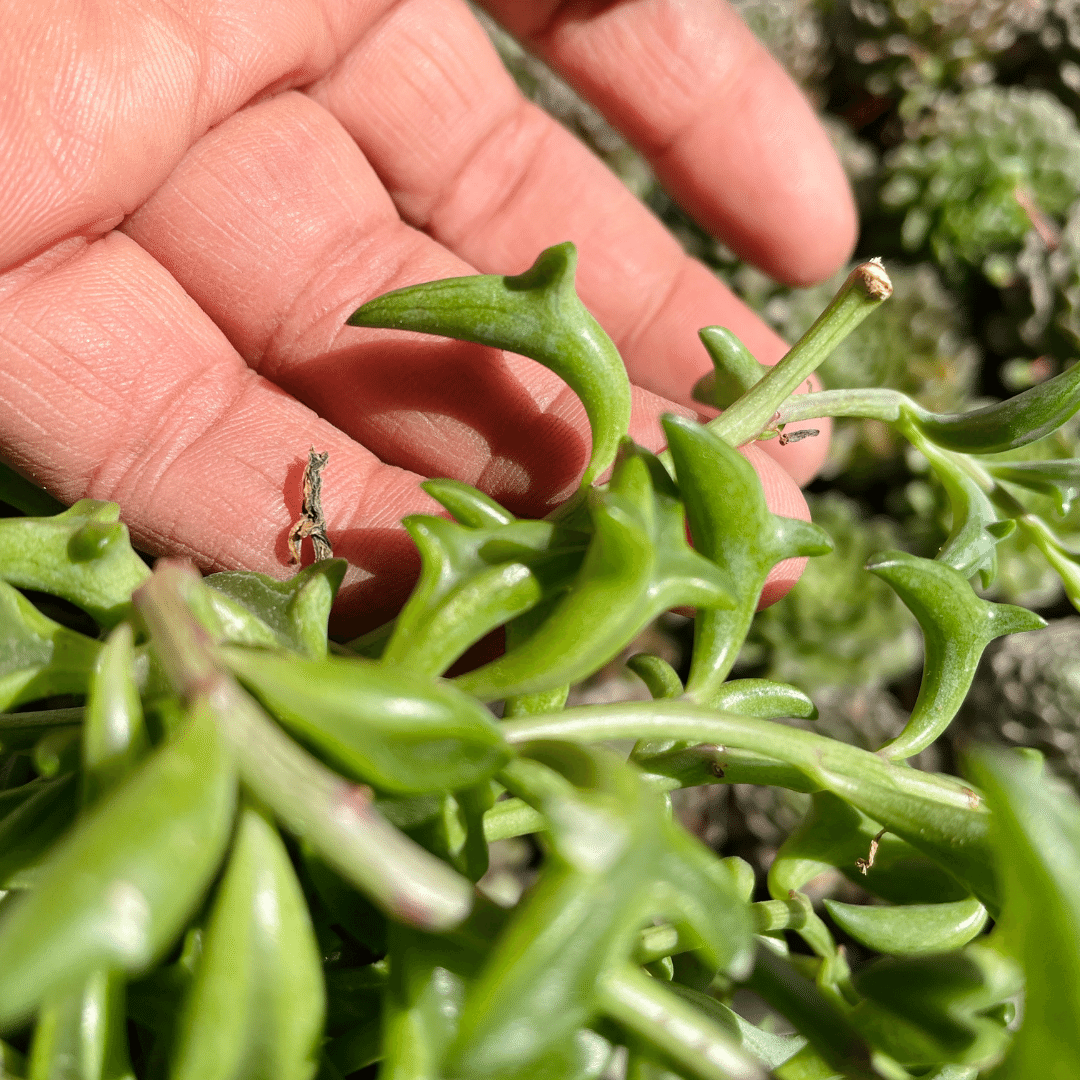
(235, 848)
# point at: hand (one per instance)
(196, 196)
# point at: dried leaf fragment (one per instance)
(311, 522)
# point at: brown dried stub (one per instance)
(311, 523)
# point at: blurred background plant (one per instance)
(957, 124)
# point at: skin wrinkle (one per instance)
(505, 195)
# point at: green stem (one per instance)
(871, 404)
(936, 814)
(510, 818)
(866, 287)
(685, 1034)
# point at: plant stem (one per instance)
(938, 815)
(683, 1032)
(510, 818)
(866, 287)
(870, 404)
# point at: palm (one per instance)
(181, 241)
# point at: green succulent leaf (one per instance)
(114, 736)
(83, 555)
(957, 626)
(536, 314)
(638, 565)
(400, 731)
(467, 504)
(657, 674)
(733, 527)
(617, 860)
(1059, 479)
(82, 1032)
(111, 896)
(29, 829)
(833, 1039)
(763, 698)
(735, 368)
(57, 752)
(295, 612)
(911, 929)
(1036, 838)
(770, 1049)
(39, 657)
(314, 803)
(257, 1001)
(933, 1009)
(473, 580)
(971, 546)
(698, 1042)
(835, 834)
(1008, 424)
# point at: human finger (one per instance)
(728, 132)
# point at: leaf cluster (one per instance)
(230, 847)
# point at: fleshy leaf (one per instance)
(39, 657)
(1036, 837)
(113, 896)
(536, 314)
(1007, 424)
(911, 929)
(638, 565)
(735, 368)
(971, 546)
(835, 834)
(957, 626)
(1059, 479)
(933, 1009)
(29, 830)
(473, 580)
(114, 737)
(733, 527)
(257, 1002)
(296, 610)
(467, 504)
(763, 698)
(389, 727)
(82, 555)
(316, 804)
(85, 1027)
(617, 861)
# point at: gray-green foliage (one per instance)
(975, 171)
(1027, 693)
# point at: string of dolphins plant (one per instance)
(249, 851)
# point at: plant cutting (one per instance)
(231, 847)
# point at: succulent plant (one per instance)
(977, 171)
(1027, 693)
